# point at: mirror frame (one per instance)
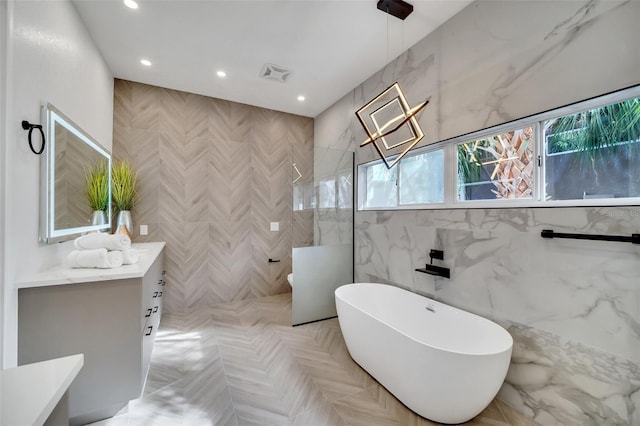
(48, 233)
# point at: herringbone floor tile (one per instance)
(241, 363)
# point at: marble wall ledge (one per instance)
(557, 381)
(62, 274)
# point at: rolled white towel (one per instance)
(101, 240)
(115, 259)
(130, 256)
(97, 258)
(87, 258)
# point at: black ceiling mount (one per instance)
(398, 8)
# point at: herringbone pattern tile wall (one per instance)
(212, 176)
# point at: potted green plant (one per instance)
(124, 195)
(97, 185)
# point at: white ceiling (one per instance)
(330, 46)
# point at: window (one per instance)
(335, 192)
(416, 179)
(582, 154)
(345, 191)
(497, 167)
(422, 178)
(304, 196)
(381, 186)
(327, 194)
(594, 154)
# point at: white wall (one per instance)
(572, 307)
(3, 129)
(50, 57)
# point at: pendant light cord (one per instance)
(387, 33)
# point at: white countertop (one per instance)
(31, 392)
(60, 275)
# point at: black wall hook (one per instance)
(28, 126)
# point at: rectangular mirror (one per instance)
(70, 156)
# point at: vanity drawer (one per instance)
(152, 294)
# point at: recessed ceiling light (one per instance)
(301, 98)
(131, 4)
(145, 62)
(221, 73)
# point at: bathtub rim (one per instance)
(493, 324)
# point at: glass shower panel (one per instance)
(324, 261)
(333, 222)
(304, 196)
(318, 271)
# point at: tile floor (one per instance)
(242, 363)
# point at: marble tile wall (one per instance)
(212, 175)
(577, 300)
(572, 307)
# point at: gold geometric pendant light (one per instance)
(391, 124)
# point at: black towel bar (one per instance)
(549, 233)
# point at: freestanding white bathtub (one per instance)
(443, 363)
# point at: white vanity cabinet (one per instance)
(111, 316)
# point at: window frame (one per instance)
(362, 181)
(498, 202)
(539, 150)
(399, 179)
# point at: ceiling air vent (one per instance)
(275, 72)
